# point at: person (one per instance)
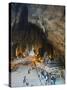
(53, 80)
(38, 75)
(24, 80)
(27, 83)
(29, 71)
(47, 78)
(42, 73)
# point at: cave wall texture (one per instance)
(50, 18)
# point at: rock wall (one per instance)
(51, 19)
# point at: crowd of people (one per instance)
(47, 77)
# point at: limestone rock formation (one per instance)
(51, 19)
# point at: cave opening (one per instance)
(29, 39)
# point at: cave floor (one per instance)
(34, 77)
